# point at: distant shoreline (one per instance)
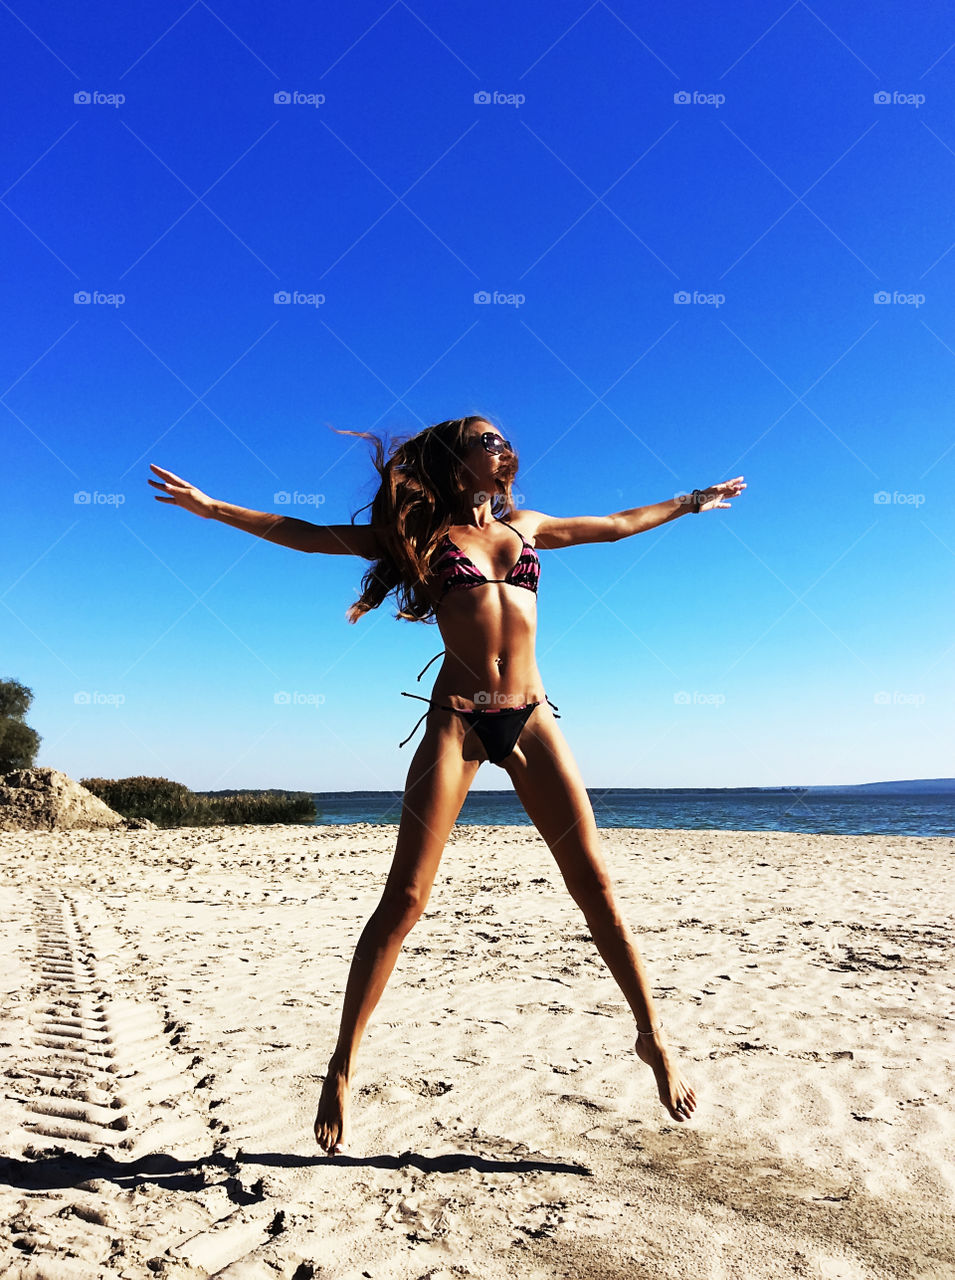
(914, 786)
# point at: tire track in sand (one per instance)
(105, 1074)
(116, 1130)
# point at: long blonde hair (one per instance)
(421, 491)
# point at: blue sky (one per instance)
(787, 172)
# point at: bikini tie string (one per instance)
(415, 729)
(434, 659)
(416, 695)
(430, 703)
(441, 654)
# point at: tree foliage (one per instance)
(19, 743)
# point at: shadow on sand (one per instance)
(64, 1169)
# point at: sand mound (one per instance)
(47, 800)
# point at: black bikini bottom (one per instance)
(497, 727)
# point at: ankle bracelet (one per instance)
(652, 1031)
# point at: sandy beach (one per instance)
(170, 1000)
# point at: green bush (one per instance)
(18, 742)
(170, 804)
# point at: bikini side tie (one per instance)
(431, 704)
(434, 659)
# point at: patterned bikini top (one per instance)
(453, 569)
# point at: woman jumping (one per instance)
(446, 538)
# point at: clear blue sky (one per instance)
(805, 636)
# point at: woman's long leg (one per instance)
(549, 786)
(437, 784)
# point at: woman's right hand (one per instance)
(182, 493)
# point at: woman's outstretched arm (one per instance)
(552, 532)
(286, 531)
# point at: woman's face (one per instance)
(481, 465)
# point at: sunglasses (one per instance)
(493, 443)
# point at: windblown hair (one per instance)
(423, 490)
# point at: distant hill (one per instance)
(905, 787)
(252, 791)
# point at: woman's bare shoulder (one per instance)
(550, 533)
(526, 522)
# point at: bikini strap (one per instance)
(431, 703)
(503, 520)
(415, 729)
(554, 705)
(434, 659)
(423, 714)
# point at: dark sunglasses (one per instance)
(493, 443)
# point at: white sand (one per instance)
(169, 1002)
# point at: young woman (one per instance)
(445, 537)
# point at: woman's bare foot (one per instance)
(331, 1122)
(675, 1094)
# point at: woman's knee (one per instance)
(400, 908)
(590, 888)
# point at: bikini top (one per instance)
(454, 569)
